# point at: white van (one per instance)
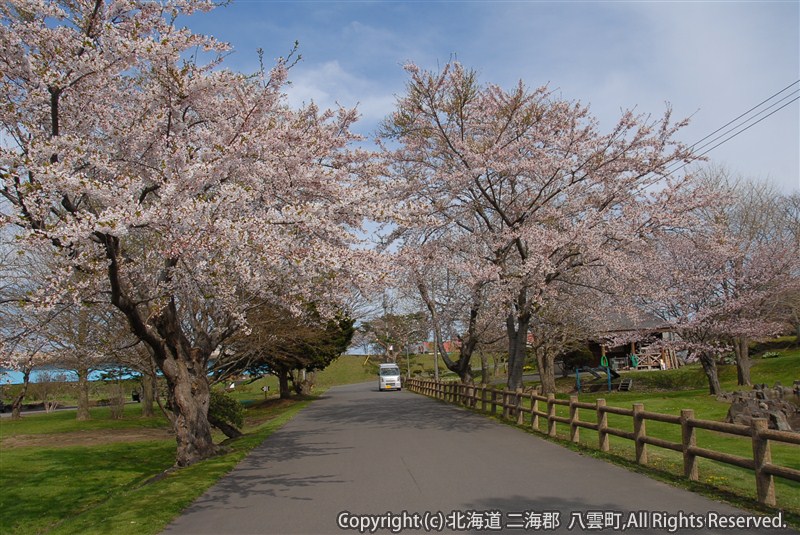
(389, 377)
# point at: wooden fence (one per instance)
(513, 407)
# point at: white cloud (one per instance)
(329, 85)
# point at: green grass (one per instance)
(689, 391)
(109, 488)
(64, 421)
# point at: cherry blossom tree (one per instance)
(756, 227)
(788, 304)
(24, 344)
(537, 192)
(171, 184)
(456, 294)
(711, 290)
(392, 333)
(564, 325)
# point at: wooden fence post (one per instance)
(520, 414)
(602, 425)
(494, 401)
(765, 484)
(505, 404)
(551, 414)
(534, 409)
(483, 397)
(574, 416)
(688, 440)
(639, 432)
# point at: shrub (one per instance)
(226, 409)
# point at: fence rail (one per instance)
(512, 404)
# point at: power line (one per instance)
(742, 126)
(748, 111)
(697, 145)
(795, 99)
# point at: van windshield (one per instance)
(390, 371)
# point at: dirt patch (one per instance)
(87, 438)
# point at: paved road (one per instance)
(370, 452)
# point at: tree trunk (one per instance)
(184, 367)
(189, 398)
(547, 372)
(148, 395)
(484, 368)
(16, 404)
(742, 350)
(462, 366)
(302, 386)
(83, 394)
(517, 327)
(283, 383)
(468, 344)
(710, 368)
(225, 427)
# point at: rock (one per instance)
(780, 413)
(778, 420)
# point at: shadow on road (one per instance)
(395, 410)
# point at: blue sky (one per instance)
(709, 60)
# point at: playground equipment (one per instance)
(604, 367)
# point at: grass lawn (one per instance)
(62, 476)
